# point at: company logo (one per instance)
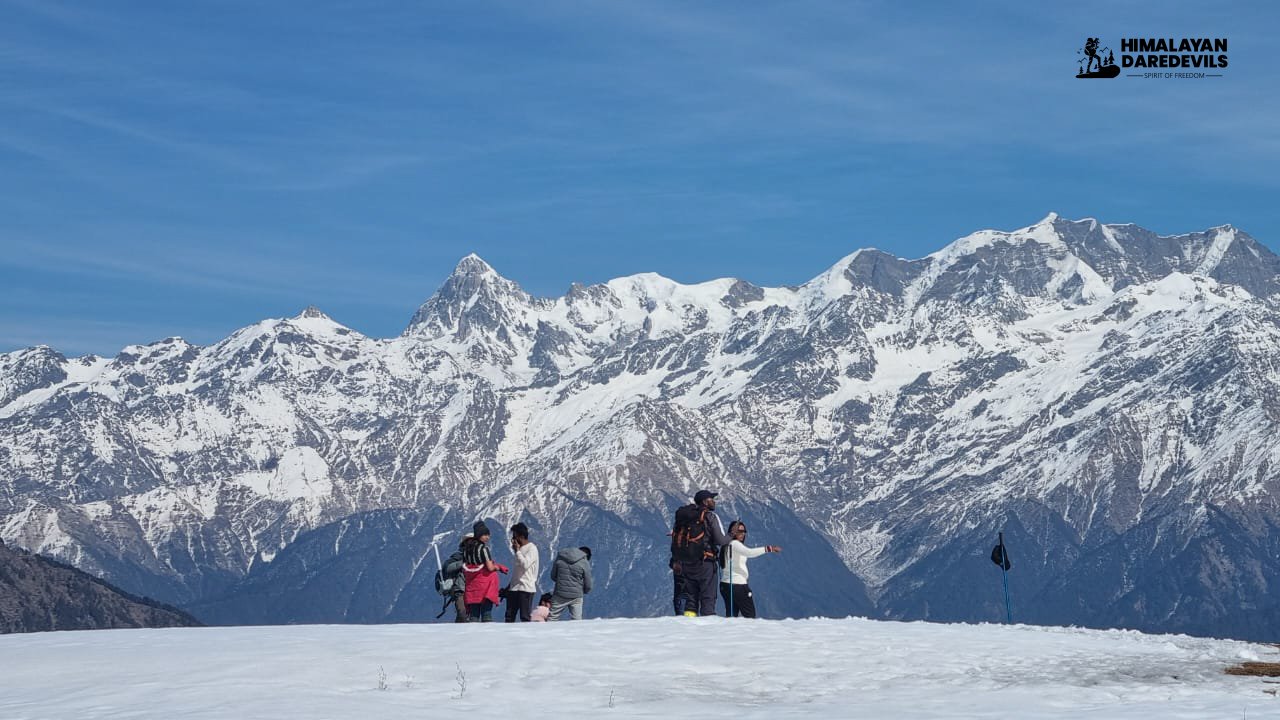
(1157, 57)
(1095, 63)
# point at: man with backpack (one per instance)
(696, 539)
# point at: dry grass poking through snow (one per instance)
(1255, 669)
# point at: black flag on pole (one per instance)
(1000, 556)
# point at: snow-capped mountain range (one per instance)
(1104, 395)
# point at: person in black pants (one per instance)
(677, 590)
(524, 579)
(738, 599)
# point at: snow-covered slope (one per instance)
(1104, 395)
(652, 668)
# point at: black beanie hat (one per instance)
(480, 529)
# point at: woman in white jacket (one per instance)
(733, 571)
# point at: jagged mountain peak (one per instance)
(23, 371)
(911, 279)
(163, 344)
(1045, 232)
(313, 312)
(304, 341)
(311, 322)
(473, 264)
(1084, 260)
(1126, 254)
(833, 282)
(317, 324)
(33, 351)
(474, 295)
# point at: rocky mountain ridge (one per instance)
(38, 594)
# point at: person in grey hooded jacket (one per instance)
(571, 574)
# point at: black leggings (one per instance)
(742, 602)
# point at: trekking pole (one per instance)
(728, 553)
(440, 574)
(1008, 608)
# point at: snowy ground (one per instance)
(665, 667)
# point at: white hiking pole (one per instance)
(729, 559)
(440, 573)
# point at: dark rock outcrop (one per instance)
(39, 594)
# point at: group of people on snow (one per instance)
(705, 560)
(470, 576)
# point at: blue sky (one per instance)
(190, 168)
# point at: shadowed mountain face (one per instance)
(1105, 396)
(38, 594)
(379, 567)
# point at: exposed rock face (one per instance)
(38, 594)
(1106, 396)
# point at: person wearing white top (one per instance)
(738, 600)
(524, 577)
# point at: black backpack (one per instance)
(690, 541)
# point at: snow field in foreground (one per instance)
(661, 667)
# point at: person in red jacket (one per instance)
(481, 574)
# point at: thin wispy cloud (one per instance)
(249, 156)
(73, 337)
(182, 260)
